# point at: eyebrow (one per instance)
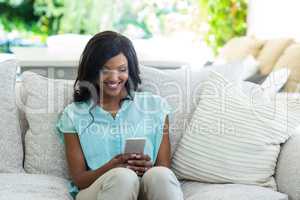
(123, 65)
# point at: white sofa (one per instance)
(43, 178)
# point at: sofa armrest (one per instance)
(288, 167)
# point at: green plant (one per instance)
(137, 18)
(14, 14)
(50, 14)
(226, 19)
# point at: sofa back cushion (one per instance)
(291, 60)
(11, 152)
(20, 98)
(44, 99)
(271, 52)
(181, 89)
(240, 48)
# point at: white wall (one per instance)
(274, 18)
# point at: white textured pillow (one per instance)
(232, 71)
(46, 98)
(237, 70)
(275, 81)
(11, 150)
(250, 67)
(232, 137)
(181, 89)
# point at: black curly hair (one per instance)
(100, 48)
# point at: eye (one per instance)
(104, 70)
(124, 69)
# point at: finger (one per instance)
(143, 157)
(130, 155)
(147, 157)
(138, 173)
(138, 156)
(126, 157)
(148, 164)
(117, 156)
(141, 163)
(138, 169)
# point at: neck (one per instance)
(112, 100)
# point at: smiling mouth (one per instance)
(113, 85)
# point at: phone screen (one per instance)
(135, 145)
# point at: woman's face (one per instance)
(114, 75)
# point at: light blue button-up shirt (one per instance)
(103, 136)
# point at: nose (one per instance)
(114, 76)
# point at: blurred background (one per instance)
(48, 36)
(202, 26)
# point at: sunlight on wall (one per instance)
(176, 50)
(274, 18)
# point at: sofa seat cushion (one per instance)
(33, 187)
(11, 150)
(204, 191)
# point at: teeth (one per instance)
(114, 85)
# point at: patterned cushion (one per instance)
(233, 137)
(11, 150)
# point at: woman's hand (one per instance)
(140, 164)
(120, 160)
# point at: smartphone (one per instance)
(135, 145)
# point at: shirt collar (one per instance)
(128, 100)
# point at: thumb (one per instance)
(118, 155)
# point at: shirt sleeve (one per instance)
(165, 110)
(64, 125)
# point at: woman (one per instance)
(107, 109)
